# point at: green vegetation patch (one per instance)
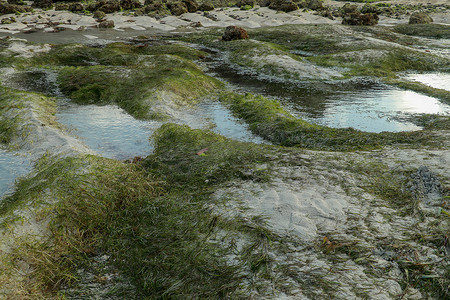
(115, 54)
(135, 88)
(12, 113)
(438, 31)
(203, 158)
(156, 223)
(269, 120)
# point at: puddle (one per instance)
(108, 130)
(374, 110)
(363, 105)
(436, 80)
(11, 167)
(226, 124)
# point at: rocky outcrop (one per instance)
(130, 4)
(420, 18)
(283, 5)
(206, 6)
(6, 8)
(360, 19)
(234, 33)
(191, 5)
(177, 8)
(76, 7)
(43, 4)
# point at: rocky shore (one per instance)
(189, 15)
(284, 208)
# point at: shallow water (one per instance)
(374, 110)
(112, 133)
(11, 167)
(363, 105)
(436, 80)
(108, 130)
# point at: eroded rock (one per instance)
(360, 19)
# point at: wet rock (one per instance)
(206, 6)
(360, 19)
(191, 5)
(420, 18)
(106, 24)
(8, 20)
(43, 4)
(76, 7)
(130, 4)
(244, 3)
(177, 8)
(283, 5)
(234, 33)
(99, 15)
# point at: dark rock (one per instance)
(76, 7)
(106, 24)
(206, 6)
(130, 4)
(191, 5)
(243, 3)
(156, 9)
(8, 20)
(108, 6)
(369, 9)
(16, 2)
(349, 9)
(234, 33)
(327, 14)
(420, 18)
(43, 4)
(6, 8)
(314, 4)
(360, 19)
(177, 8)
(264, 3)
(283, 5)
(98, 14)
(62, 6)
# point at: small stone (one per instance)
(234, 33)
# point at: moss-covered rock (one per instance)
(420, 18)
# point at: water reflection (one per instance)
(108, 130)
(436, 80)
(375, 110)
(11, 167)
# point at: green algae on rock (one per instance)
(154, 79)
(269, 120)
